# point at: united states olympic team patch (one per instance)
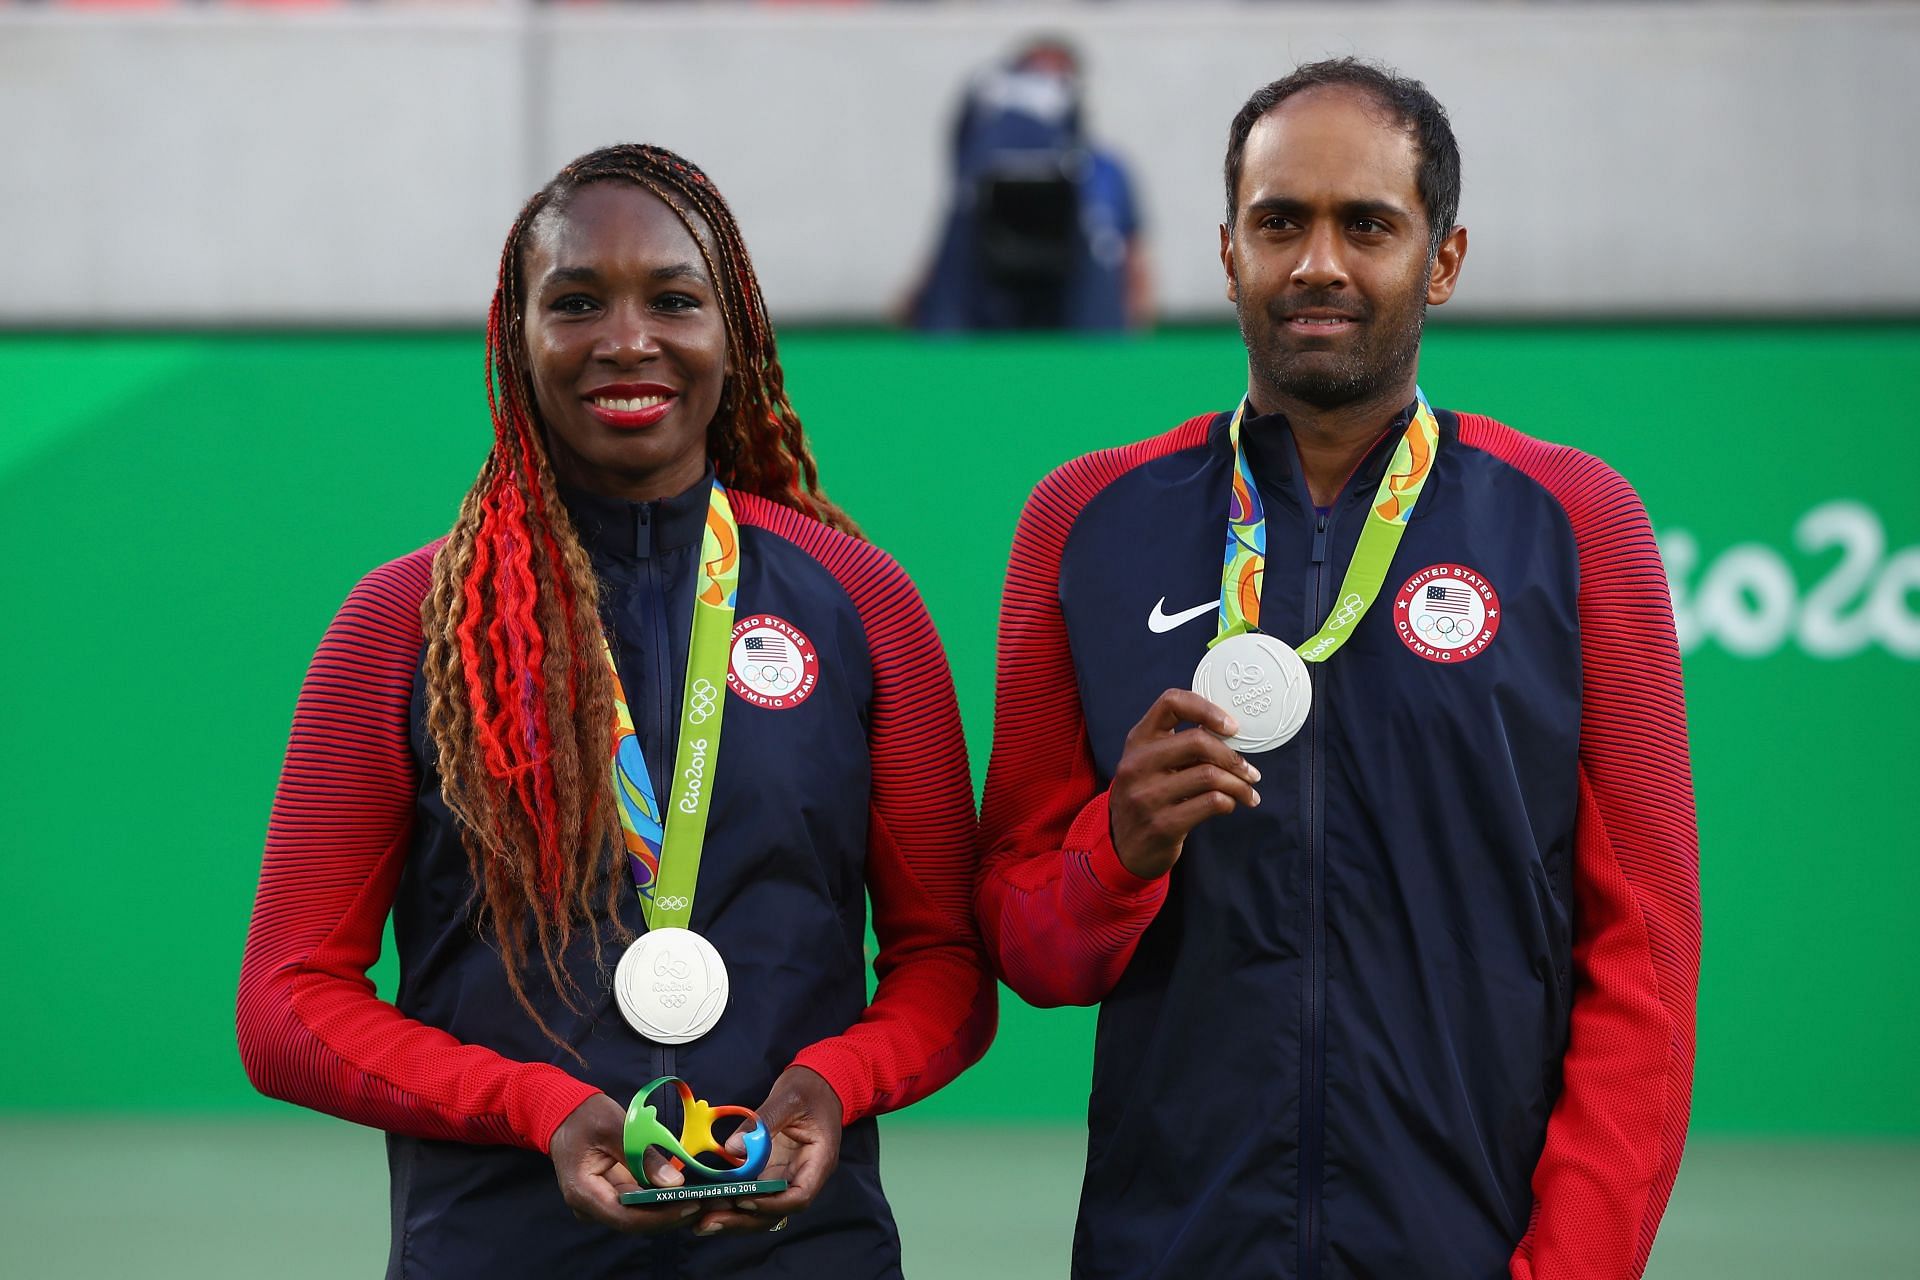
(1447, 613)
(772, 663)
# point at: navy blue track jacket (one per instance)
(1426, 1011)
(856, 786)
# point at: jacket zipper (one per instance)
(1313, 1069)
(659, 658)
(1312, 1084)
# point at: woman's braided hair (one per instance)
(519, 698)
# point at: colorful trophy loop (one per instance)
(723, 1176)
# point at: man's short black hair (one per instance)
(1407, 101)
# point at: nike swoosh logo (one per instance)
(1158, 621)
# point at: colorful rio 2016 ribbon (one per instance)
(648, 836)
(1246, 557)
(696, 1138)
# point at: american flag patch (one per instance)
(1447, 613)
(766, 646)
(771, 664)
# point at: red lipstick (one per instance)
(630, 406)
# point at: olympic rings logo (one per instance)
(781, 678)
(1239, 674)
(1445, 630)
(672, 1000)
(701, 702)
(1349, 611)
(1258, 706)
(672, 902)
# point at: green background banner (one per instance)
(181, 514)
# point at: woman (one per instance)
(495, 726)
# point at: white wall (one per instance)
(362, 165)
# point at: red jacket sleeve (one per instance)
(1060, 915)
(935, 1004)
(1616, 1135)
(311, 1029)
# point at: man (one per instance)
(1044, 232)
(1410, 993)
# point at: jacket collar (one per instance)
(623, 530)
(1268, 440)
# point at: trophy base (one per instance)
(703, 1191)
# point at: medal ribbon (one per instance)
(664, 855)
(1393, 501)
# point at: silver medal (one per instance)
(671, 985)
(1262, 682)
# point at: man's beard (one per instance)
(1377, 359)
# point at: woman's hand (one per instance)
(589, 1159)
(803, 1115)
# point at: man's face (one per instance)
(1328, 259)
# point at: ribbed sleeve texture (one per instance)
(935, 1004)
(1615, 1138)
(1059, 913)
(311, 1029)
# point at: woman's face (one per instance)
(626, 343)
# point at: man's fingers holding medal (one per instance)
(1176, 707)
(1169, 780)
(803, 1114)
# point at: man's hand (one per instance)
(589, 1158)
(1168, 782)
(803, 1114)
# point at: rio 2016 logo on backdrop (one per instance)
(1747, 599)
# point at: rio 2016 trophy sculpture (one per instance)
(732, 1177)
